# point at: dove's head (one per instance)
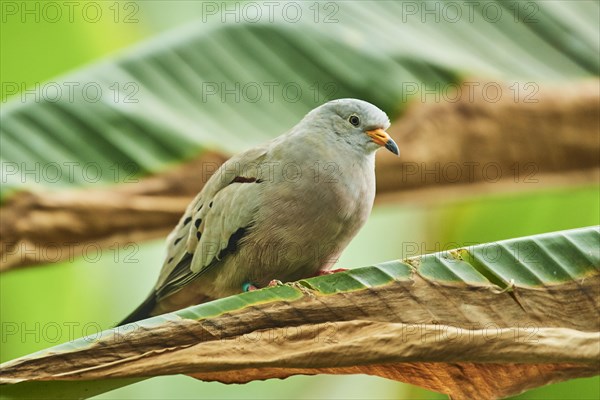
(355, 122)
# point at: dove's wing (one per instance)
(213, 223)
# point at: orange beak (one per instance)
(381, 137)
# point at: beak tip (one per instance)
(393, 147)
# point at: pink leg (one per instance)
(248, 287)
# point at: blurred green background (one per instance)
(47, 305)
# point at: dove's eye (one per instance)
(354, 120)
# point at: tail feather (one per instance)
(142, 312)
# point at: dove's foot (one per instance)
(248, 287)
(331, 271)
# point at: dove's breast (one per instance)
(307, 219)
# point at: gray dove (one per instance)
(281, 211)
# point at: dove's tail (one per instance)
(142, 312)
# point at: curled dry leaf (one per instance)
(487, 321)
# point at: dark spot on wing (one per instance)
(200, 208)
(243, 179)
(210, 205)
(187, 221)
(170, 260)
(198, 235)
(177, 241)
(198, 222)
(233, 242)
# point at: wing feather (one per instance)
(217, 218)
